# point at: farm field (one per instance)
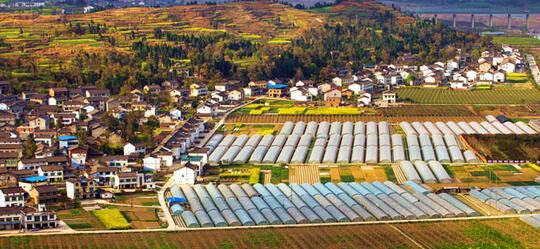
(358, 174)
(516, 41)
(285, 107)
(266, 119)
(501, 233)
(525, 111)
(255, 129)
(144, 199)
(486, 175)
(141, 218)
(278, 174)
(445, 96)
(517, 77)
(80, 219)
(112, 218)
(304, 174)
(506, 147)
(429, 111)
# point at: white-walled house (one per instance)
(355, 88)
(54, 173)
(299, 94)
(430, 80)
(175, 114)
(472, 75)
(508, 67)
(235, 95)
(150, 112)
(452, 65)
(499, 77)
(12, 196)
(137, 148)
(207, 109)
(166, 158)
(152, 163)
(314, 91)
(459, 85)
(337, 81)
(186, 175)
(365, 99)
(487, 76)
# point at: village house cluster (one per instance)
(52, 147)
(360, 88)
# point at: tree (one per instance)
(82, 137)
(30, 146)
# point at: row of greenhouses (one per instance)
(466, 128)
(325, 129)
(381, 147)
(510, 200)
(420, 171)
(252, 205)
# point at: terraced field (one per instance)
(444, 96)
(503, 233)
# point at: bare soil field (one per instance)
(504, 233)
(304, 174)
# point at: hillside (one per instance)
(242, 40)
(48, 35)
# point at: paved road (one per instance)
(161, 194)
(222, 121)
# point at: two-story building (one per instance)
(12, 196)
(44, 194)
(54, 173)
(81, 188)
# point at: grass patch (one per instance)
(250, 36)
(279, 41)
(516, 41)
(81, 226)
(151, 203)
(74, 41)
(389, 174)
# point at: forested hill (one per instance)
(127, 48)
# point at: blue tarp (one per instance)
(176, 200)
(35, 179)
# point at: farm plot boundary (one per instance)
(457, 234)
(268, 119)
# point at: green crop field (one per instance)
(445, 96)
(516, 41)
(517, 77)
(501, 233)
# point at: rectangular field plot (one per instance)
(506, 147)
(499, 233)
(445, 96)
